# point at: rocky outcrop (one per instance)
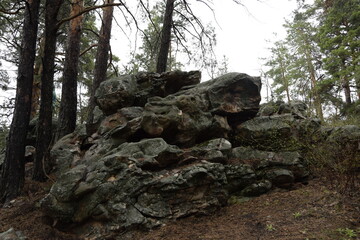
(166, 148)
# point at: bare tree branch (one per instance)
(88, 9)
(87, 49)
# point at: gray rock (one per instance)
(119, 121)
(164, 84)
(295, 108)
(257, 188)
(116, 93)
(129, 90)
(259, 160)
(12, 234)
(276, 133)
(238, 177)
(279, 177)
(187, 117)
(215, 150)
(66, 152)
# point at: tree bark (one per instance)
(314, 89)
(36, 89)
(165, 37)
(101, 61)
(13, 170)
(44, 127)
(68, 105)
(347, 91)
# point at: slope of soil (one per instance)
(311, 211)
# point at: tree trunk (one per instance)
(68, 105)
(13, 170)
(44, 127)
(317, 99)
(165, 37)
(101, 61)
(347, 91)
(36, 88)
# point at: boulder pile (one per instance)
(165, 146)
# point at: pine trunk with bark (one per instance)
(13, 169)
(101, 61)
(347, 91)
(36, 89)
(44, 127)
(68, 105)
(165, 37)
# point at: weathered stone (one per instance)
(12, 234)
(164, 84)
(134, 90)
(234, 94)
(276, 133)
(238, 177)
(120, 120)
(215, 150)
(295, 108)
(259, 160)
(66, 152)
(187, 117)
(116, 93)
(257, 188)
(279, 177)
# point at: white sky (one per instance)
(241, 31)
(245, 31)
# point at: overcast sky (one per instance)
(241, 31)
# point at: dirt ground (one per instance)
(312, 211)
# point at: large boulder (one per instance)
(136, 184)
(134, 90)
(270, 165)
(203, 112)
(282, 127)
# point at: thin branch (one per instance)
(10, 12)
(88, 9)
(88, 49)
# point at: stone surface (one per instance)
(276, 133)
(203, 112)
(168, 147)
(12, 234)
(134, 90)
(260, 160)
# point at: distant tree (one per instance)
(13, 170)
(279, 69)
(102, 55)
(306, 57)
(339, 41)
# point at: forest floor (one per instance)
(313, 211)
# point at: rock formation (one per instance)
(165, 146)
